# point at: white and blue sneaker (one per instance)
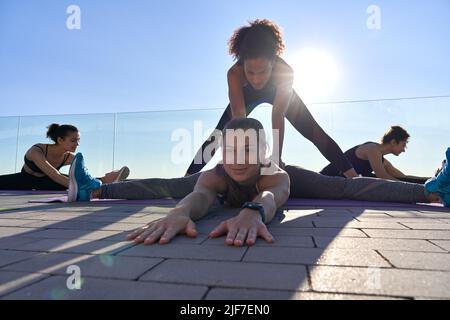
(441, 183)
(81, 183)
(445, 199)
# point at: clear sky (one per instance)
(158, 55)
(139, 56)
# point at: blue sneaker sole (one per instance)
(445, 199)
(440, 183)
(73, 186)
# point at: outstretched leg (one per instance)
(154, 188)
(309, 184)
(199, 162)
(302, 120)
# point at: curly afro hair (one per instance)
(261, 38)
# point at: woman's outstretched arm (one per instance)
(37, 156)
(248, 224)
(180, 220)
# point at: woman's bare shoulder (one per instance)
(283, 71)
(236, 72)
(364, 150)
(276, 177)
(369, 146)
(212, 179)
(35, 150)
(70, 156)
(283, 65)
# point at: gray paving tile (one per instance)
(186, 251)
(180, 239)
(16, 231)
(40, 224)
(317, 232)
(416, 214)
(376, 244)
(47, 262)
(206, 226)
(76, 246)
(101, 266)
(418, 260)
(230, 274)
(391, 282)
(428, 226)
(83, 225)
(445, 244)
(311, 256)
(358, 225)
(280, 241)
(368, 211)
(14, 242)
(72, 234)
(84, 234)
(445, 212)
(55, 288)
(11, 256)
(16, 214)
(245, 294)
(295, 223)
(400, 220)
(304, 212)
(371, 215)
(11, 281)
(139, 221)
(15, 222)
(409, 234)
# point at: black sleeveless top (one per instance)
(361, 166)
(235, 194)
(30, 164)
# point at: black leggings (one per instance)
(304, 184)
(297, 114)
(26, 181)
(418, 180)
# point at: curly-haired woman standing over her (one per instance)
(42, 163)
(260, 75)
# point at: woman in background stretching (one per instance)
(43, 162)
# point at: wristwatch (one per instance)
(256, 206)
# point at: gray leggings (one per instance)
(304, 184)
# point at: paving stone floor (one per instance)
(319, 253)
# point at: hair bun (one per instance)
(51, 132)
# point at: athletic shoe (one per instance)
(81, 183)
(445, 199)
(440, 183)
(124, 172)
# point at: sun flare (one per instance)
(315, 74)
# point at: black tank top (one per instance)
(30, 164)
(361, 166)
(235, 195)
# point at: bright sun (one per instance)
(315, 74)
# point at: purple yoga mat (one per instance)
(49, 200)
(109, 201)
(315, 203)
(319, 203)
(28, 192)
(291, 203)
